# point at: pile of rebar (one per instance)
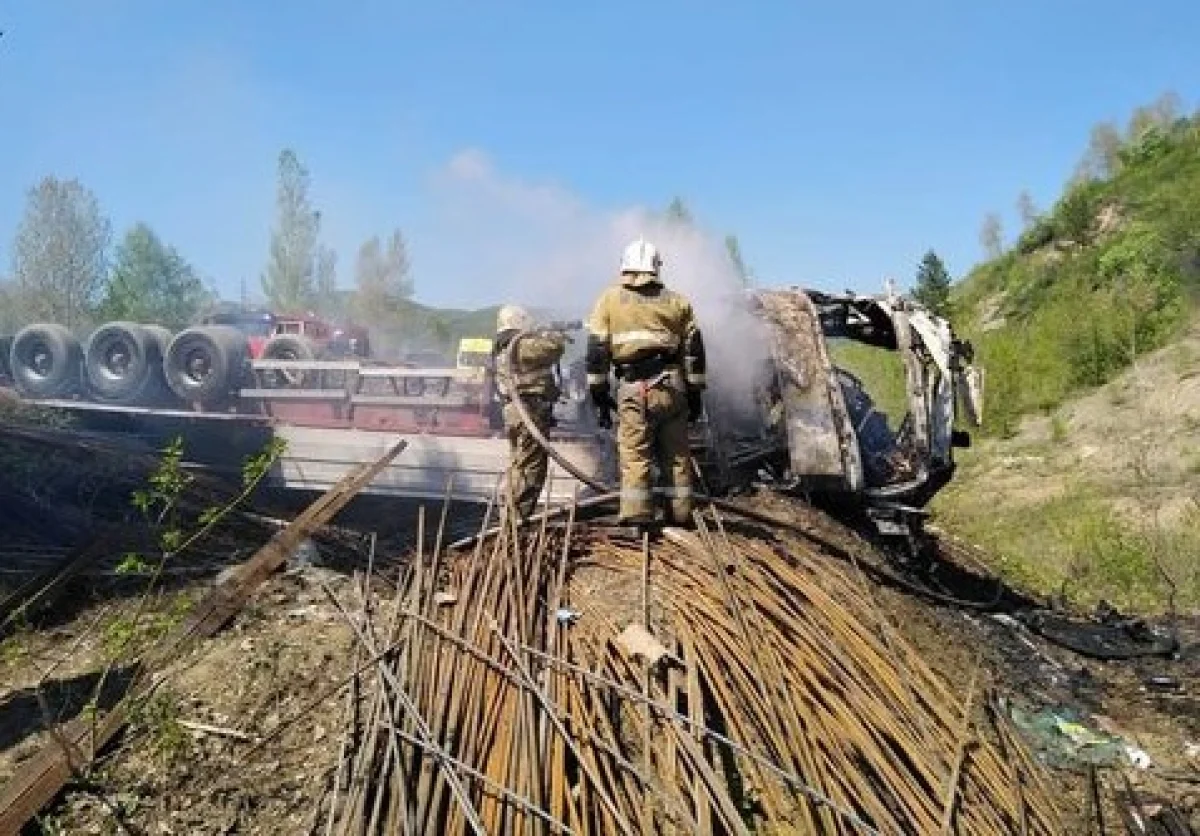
(561, 680)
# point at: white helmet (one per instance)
(641, 257)
(513, 318)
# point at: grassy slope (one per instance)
(1088, 478)
(1100, 497)
(1107, 275)
(881, 373)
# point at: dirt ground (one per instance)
(239, 739)
(1110, 696)
(1150, 703)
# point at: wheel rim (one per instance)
(40, 360)
(197, 366)
(115, 360)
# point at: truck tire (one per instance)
(123, 363)
(5, 365)
(47, 361)
(289, 347)
(162, 336)
(160, 392)
(205, 365)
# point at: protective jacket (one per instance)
(532, 373)
(638, 331)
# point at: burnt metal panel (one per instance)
(821, 441)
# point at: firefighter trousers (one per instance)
(652, 429)
(527, 461)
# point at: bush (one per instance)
(1037, 236)
(1075, 213)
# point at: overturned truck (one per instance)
(790, 416)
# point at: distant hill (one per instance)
(412, 326)
(1110, 273)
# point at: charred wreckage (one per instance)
(804, 424)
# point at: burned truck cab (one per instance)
(817, 430)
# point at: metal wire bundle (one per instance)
(759, 690)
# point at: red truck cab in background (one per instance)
(295, 336)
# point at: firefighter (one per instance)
(532, 378)
(647, 334)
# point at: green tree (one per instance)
(60, 254)
(1159, 114)
(933, 284)
(678, 213)
(1026, 210)
(1103, 157)
(382, 278)
(1075, 212)
(326, 281)
(289, 281)
(151, 282)
(991, 235)
(398, 266)
(734, 250)
(12, 316)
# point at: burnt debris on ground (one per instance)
(747, 675)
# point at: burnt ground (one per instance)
(195, 761)
(1122, 697)
(1150, 702)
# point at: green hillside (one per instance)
(1111, 272)
(1085, 482)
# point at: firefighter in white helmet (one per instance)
(531, 378)
(647, 334)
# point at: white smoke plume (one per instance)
(540, 245)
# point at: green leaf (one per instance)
(131, 563)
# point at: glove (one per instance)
(602, 399)
(695, 402)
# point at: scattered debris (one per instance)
(639, 643)
(1061, 739)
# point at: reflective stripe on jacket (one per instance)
(631, 324)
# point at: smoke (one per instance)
(540, 245)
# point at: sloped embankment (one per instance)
(1099, 498)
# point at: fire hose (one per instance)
(610, 491)
(1097, 641)
(604, 493)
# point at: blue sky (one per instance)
(838, 144)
